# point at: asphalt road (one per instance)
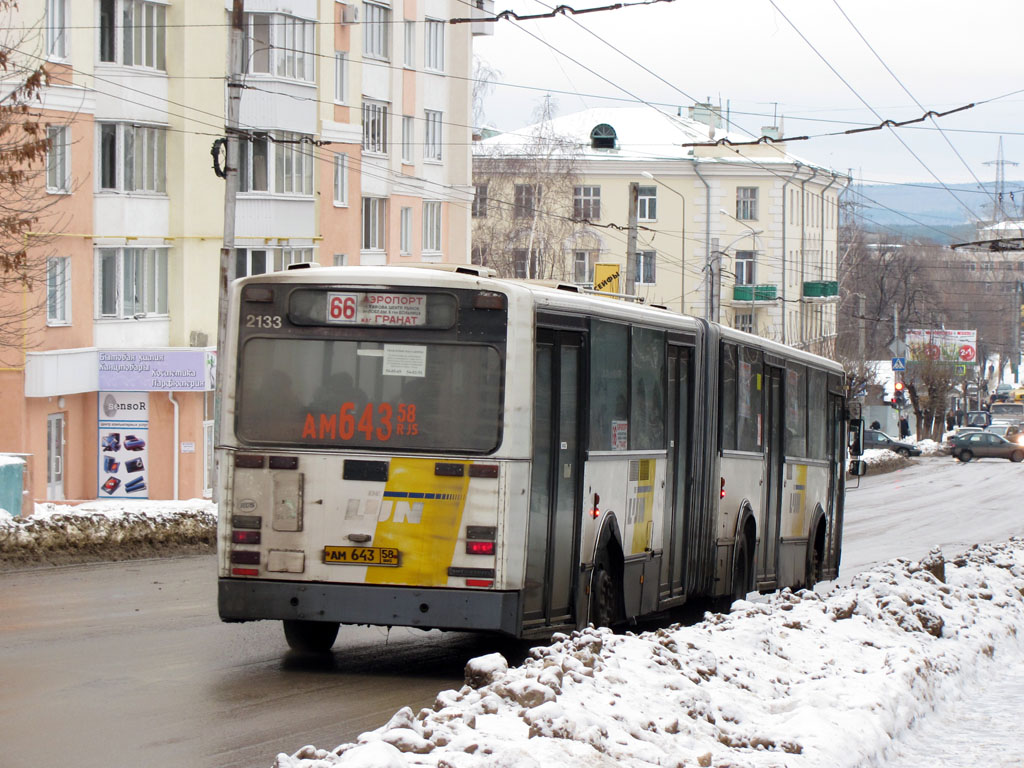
(123, 664)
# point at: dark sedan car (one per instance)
(873, 438)
(985, 445)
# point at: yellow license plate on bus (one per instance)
(361, 556)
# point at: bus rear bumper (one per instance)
(438, 608)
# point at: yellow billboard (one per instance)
(606, 278)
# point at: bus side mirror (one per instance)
(856, 437)
(858, 468)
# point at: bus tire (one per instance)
(603, 610)
(814, 568)
(310, 636)
(742, 566)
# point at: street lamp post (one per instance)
(682, 237)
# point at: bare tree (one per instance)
(29, 216)
(524, 223)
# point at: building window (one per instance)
(258, 261)
(746, 203)
(432, 144)
(137, 30)
(433, 57)
(521, 263)
(57, 29)
(410, 45)
(373, 223)
(408, 126)
(586, 203)
(132, 157)
(376, 31)
(293, 165)
(254, 163)
(341, 179)
(375, 127)
(280, 45)
(431, 226)
(58, 278)
(340, 77)
(405, 231)
(647, 203)
(526, 198)
(479, 201)
(132, 282)
(57, 177)
(340, 260)
(745, 267)
(583, 267)
(645, 267)
(744, 322)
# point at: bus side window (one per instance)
(647, 377)
(727, 397)
(609, 415)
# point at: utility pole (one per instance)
(631, 259)
(236, 42)
(861, 322)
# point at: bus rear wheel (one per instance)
(310, 636)
(603, 605)
(741, 569)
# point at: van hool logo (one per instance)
(111, 406)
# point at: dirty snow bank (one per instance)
(107, 530)
(797, 680)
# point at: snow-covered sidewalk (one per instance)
(794, 680)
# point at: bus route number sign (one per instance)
(375, 308)
(361, 556)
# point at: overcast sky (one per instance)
(746, 55)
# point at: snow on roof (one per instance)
(795, 679)
(643, 133)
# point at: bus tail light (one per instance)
(479, 547)
(721, 493)
(595, 511)
(245, 571)
(479, 583)
(245, 537)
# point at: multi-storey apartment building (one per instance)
(354, 126)
(747, 235)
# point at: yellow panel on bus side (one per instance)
(420, 516)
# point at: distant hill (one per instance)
(927, 211)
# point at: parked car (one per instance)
(874, 438)
(985, 445)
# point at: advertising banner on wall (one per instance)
(157, 370)
(123, 433)
(943, 346)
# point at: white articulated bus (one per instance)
(440, 448)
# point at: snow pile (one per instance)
(883, 460)
(932, 448)
(107, 530)
(799, 679)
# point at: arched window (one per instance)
(603, 137)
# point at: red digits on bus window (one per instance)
(366, 421)
(411, 413)
(401, 413)
(384, 431)
(347, 421)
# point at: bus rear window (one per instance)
(370, 395)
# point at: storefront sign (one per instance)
(157, 370)
(606, 278)
(123, 434)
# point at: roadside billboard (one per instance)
(942, 346)
(606, 278)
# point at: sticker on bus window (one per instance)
(405, 360)
(620, 435)
(376, 308)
